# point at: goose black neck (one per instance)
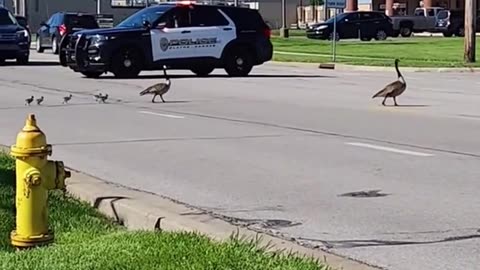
(398, 71)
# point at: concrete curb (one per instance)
(145, 211)
(139, 210)
(408, 69)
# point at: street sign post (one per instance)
(336, 5)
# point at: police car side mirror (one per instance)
(161, 25)
(146, 24)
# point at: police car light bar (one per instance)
(186, 2)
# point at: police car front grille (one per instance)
(8, 36)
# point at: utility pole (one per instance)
(235, 3)
(284, 29)
(470, 29)
(99, 6)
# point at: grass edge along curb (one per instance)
(419, 52)
(111, 246)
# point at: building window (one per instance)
(37, 5)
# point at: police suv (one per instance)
(189, 36)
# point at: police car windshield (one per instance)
(6, 18)
(147, 14)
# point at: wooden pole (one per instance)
(470, 29)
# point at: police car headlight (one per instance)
(96, 38)
(321, 27)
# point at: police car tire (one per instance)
(202, 71)
(232, 67)
(118, 67)
(92, 74)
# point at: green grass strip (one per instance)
(436, 52)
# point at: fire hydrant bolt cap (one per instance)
(31, 140)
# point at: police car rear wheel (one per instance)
(202, 71)
(238, 63)
(126, 63)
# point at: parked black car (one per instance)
(360, 24)
(60, 24)
(451, 22)
(14, 39)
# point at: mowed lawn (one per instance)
(413, 51)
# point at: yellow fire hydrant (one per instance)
(35, 176)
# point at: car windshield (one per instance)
(146, 14)
(81, 21)
(442, 14)
(339, 18)
(6, 18)
(22, 21)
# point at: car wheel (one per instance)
(126, 63)
(92, 74)
(238, 62)
(202, 71)
(54, 45)
(447, 34)
(2, 61)
(23, 60)
(381, 35)
(460, 32)
(337, 36)
(405, 31)
(39, 45)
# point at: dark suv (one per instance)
(14, 39)
(352, 25)
(60, 24)
(451, 22)
(199, 38)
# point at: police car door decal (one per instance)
(171, 43)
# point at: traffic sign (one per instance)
(337, 4)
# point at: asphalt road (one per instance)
(282, 146)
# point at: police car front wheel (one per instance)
(126, 63)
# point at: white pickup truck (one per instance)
(423, 20)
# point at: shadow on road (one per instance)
(409, 105)
(220, 76)
(31, 64)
